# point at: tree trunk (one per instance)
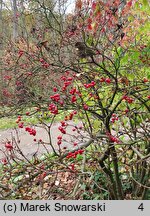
(1, 24)
(15, 19)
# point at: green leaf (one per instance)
(83, 186)
(79, 157)
(145, 2)
(18, 178)
(97, 124)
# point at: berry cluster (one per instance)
(89, 85)
(59, 142)
(53, 109)
(62, 129)
(74, 154)
(8, 146)
(128, 99)
(112, 138)
(71, 115)
(106, 80)
(31, 131)
(114, 118)
(55, 97)
(44, 63)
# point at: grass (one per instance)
(10, 122)
(6, 123)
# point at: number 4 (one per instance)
(141, 207)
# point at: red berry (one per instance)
(72, 166)
(4, 161)
(73, 99)
(102, 79)
(126, 110)
(145, 80)
(55, 89)
(59, 137)
(20, 125)
(9, 146)
(85, 107)
(59, 142)
(108, 80)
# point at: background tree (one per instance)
(15, 18)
